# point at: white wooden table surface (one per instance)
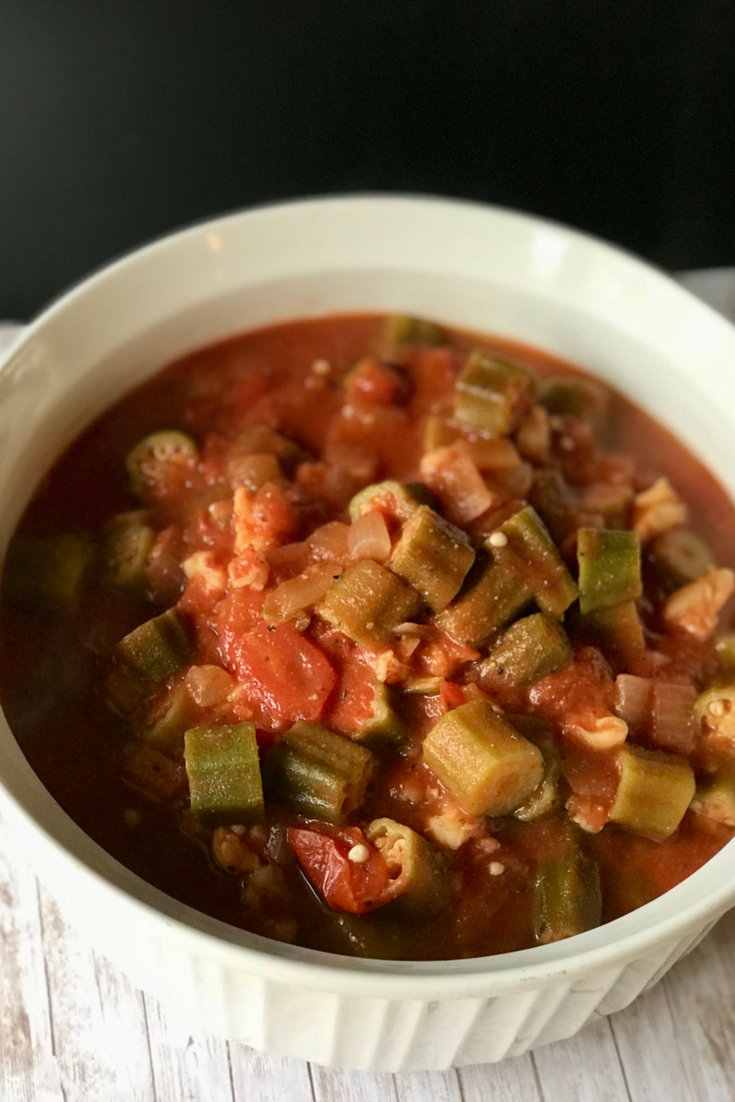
(73, 1029)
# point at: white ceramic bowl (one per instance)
(465, 265)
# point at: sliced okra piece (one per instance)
(609, 568)
(482, 759)
(418, 871)
(654, 792)
(496, 454)
(573, 396)
(567, 899)
(262, 440)
(433, 556)
(127, 540)
(155, 455)
(617, 630)
(124, 690)
(494, 594)
(422, 495)
(681, 557)
(555, 501)
(529, 649)
(152, 772)
(547, 577)
(157, 649)
(492, 395)
(45, 572)
(438, 433)
(320, 774)
(254, 471)
(224, 773)
(369, 935)
(725, 651)
(166, 726)
(715, 710)
(545, 797)
(715, 799)
(390, 497)
(368, 603)
(402, 329)
(384, 726)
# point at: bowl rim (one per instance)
(704, 895)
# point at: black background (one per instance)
(122, 119)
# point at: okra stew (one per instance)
(381, 639)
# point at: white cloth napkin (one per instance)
(713, 285)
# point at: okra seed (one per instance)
(717, 707)
(359, 854)
(496, 868)
(498, 539)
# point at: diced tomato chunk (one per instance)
(240, 612)
(441, 656)
(591, 773)
(353, 701)
(353, 886)
(580, 691)
(452, 695)
(283, 672)
(374, 383)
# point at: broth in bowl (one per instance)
(381, 639)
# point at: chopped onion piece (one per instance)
(291, 597)
(369, 537)
(657, 510)
(673, 726)
(696, 607)
(409, 628)
(603, 734)
(209, 685)
(659, 711)
(330, 541)
(633, 701)
(452, 474)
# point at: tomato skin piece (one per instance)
(346, 885)
(283, 671)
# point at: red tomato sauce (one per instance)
(289, 423)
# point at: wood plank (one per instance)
(257, 1078)
(700, 994)
(28, 1067)
(598, 1073)
(677, 1041)
(419, 1086)
(655, 1067)
(334, 1085)
(98, 1019)
(187, 1066)
(511, 1080)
